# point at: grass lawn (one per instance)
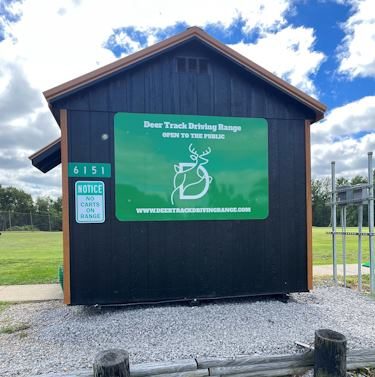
(29, 257)
(322, 246)
(33, 257)
(351, 281)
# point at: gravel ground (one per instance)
(62, 338)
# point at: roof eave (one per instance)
(44, 149)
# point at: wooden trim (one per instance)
(196, 32)
(40, 151)
(308, 206)
(65, 203)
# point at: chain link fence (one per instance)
(21, 221)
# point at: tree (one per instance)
(55, 209)
(320, 190)
(352, 211)
(13, 199)
(56, 206)
(43, 214)
(358, 179)
(342, 181)
(42, 204)
(48, 213)
(320, 198)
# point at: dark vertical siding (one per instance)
(119, 262)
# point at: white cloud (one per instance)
(350, 155)
(123, 39)
(55, 41)
(30, 132)
(68, 39)
(357, 54)
(18, 98)
(33, 181)
(264, 15)
(345, 135)
(346, 121)
(288, 53)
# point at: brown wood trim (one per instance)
(65, 203)
(308, 206)
(175, 40)
(40, 151)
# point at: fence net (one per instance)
(44, 221)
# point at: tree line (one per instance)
(19, 211)
(46, 212)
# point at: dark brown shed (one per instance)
(119, 261)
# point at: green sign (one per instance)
(89, 170)
(90, 202)
(188, 167)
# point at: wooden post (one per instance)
(330, 354)
(112, 363)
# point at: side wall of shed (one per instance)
(119, 262)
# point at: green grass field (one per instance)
(29, 257)
(34, 257)
(322, 246)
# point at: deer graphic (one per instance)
(192, 169)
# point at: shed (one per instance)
(185, 175)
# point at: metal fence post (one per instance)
(360, 220)
(10, 221)
(371, 222)
(333, 220)
(343, 225)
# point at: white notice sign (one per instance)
(90, 202)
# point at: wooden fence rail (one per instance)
(242, 366)
(280, 365)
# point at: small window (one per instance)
(193, 65)
(203, 66)
(181, 65)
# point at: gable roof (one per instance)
(191, 33)
(50, 156)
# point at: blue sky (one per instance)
(324, 47)
(327, 19)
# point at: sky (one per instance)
(324, 47)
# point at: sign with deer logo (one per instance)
(190, 167)
(201, 179)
